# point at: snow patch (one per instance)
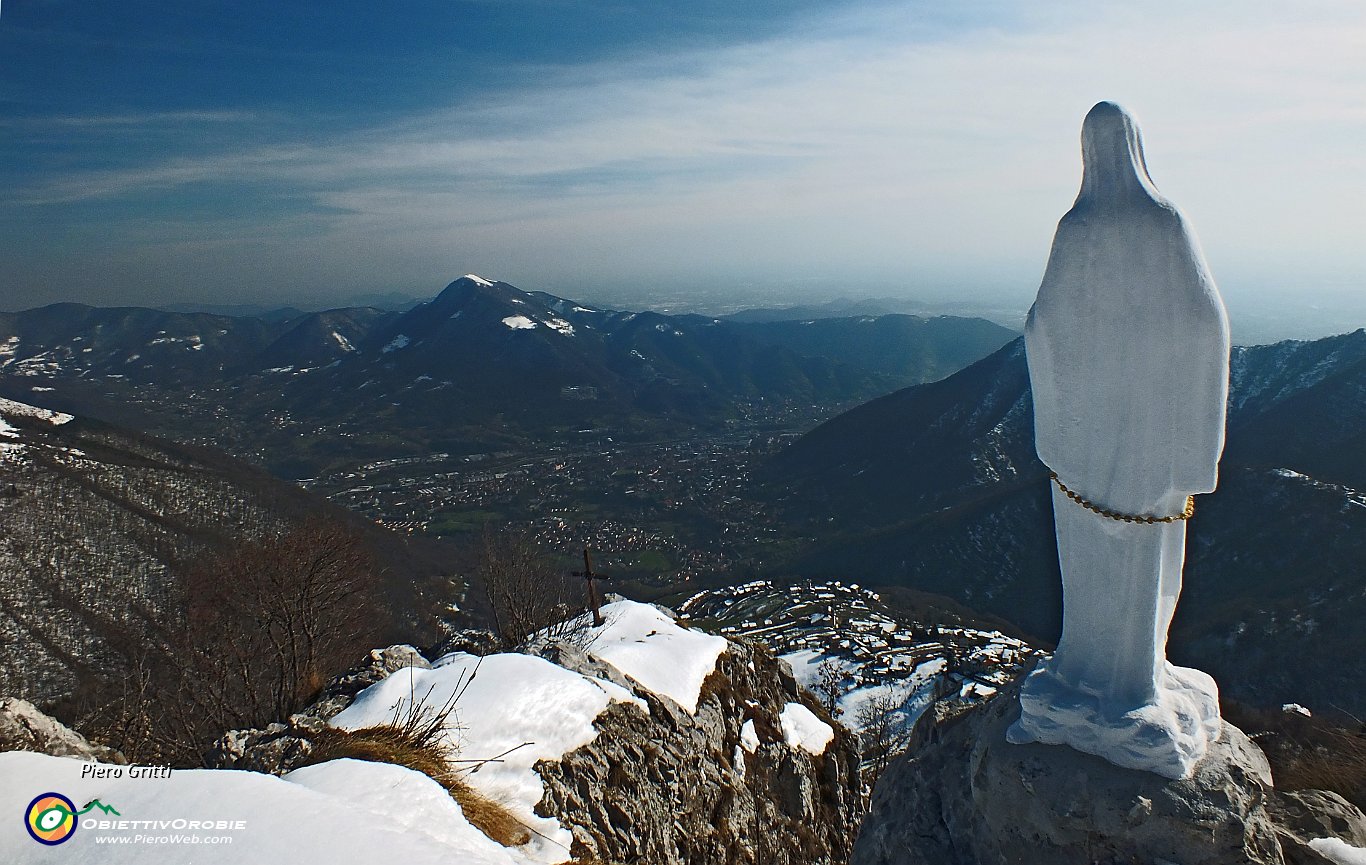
(519, 322)
(646, 644)
(477, 280)
(1339, 852)
(14, 408)
(398, 342)
(560, 326)
(403, 799)
(343, 342)
(285, 821)
(802, 729)
(519, 704)
(749, 737)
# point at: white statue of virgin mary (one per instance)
(1128, 350)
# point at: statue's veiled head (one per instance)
(1112, 155)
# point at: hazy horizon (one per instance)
(657, 156)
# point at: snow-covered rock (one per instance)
(517, 708)
(641, 740)
(23, 727)
(802, 729)
(643, 642)
(717, 785)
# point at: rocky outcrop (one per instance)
(281, 747)
(969, 797)
(1305, 815)
(669, 787)
(339, 693)
(720, 786)
(23, 727)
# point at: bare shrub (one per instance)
(882, 732)
(529, 598)
(263, 627)
(1306, 753)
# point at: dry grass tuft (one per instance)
(1306, 753)
(416, 739)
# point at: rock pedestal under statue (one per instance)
(970, 798)
(1128, 349)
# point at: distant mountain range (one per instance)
(937, 487)
(480, 366)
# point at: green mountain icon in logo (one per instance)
(96, 803)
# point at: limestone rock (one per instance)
(23, 727)
(972, 797)
(1303, 815)
(275, 750)
(339, 693)
(670, 788)
(279, 747)
(665, 786)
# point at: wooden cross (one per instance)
(594, 602)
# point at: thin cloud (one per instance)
(864, 144)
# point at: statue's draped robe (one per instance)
(1128, 351)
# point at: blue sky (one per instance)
(253, 152)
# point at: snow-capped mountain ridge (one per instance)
(481, 362)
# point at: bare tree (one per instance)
(882, 732)
(829, 686)
(263, 627)
(527, 595)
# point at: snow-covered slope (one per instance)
(523, 709)
(517, 708)
(857, 653)
(572, 743)
(337, 813)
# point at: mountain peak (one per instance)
(469, 286)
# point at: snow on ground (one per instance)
(908, 696)
(749, 736)
(398, 342)
(519, 704)
(515, 709)
(646, 644)
(802, 729)
(478, 280)
(519, 322)
(19, 409)
(9, 450)
(874, 657)
(405, 800)
(560, 326)
(280, 820)
(1339, 852)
